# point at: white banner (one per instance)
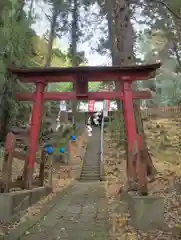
(63, 106)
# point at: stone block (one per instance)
(5, 208)
(147, 212)
(14, 204)
(38, 193)
(20, 201)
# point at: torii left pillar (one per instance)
(34, 132)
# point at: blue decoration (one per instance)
(73, 138)
(62, 150)
(46, 145)
(49, 149)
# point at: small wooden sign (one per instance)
(10, 142)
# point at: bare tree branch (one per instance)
(138, 2)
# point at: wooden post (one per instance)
(8, 160)
(50, 159)
(141, 167)
(67, 156)
(42, 167)
(69, 150)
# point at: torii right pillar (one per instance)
(136, 165)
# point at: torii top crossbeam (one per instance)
(107, 73)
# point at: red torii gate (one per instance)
(80, 76)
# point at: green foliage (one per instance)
(20, 46)
(15, 49)
(94, 86)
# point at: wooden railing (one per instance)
(10, 152)
(161, 112)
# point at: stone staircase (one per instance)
(91, 166)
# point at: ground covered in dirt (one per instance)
(164, 142)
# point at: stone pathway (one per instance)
(81, 214)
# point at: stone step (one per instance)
(91, 170)
(86, 167)
(94, 162)
(91, 164)
(90, 174)
(91, 167)
(89, 178)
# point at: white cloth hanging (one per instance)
(58, 126)
(89, 130)
(96, 121)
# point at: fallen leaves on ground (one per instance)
(163, 139)
(61, 178)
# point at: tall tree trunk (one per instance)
(111, 32)
(74, 39)
(115, 54)
(51, 36)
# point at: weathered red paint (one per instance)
(81, 88)
(141, 168)
(130, 125)
(57, 96)
(81, 76)
(35, 123)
